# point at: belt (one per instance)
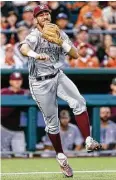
(42, 78)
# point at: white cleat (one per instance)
(66, 169)
(92, 145)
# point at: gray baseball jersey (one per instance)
(40, 45)
(45, 92)
(108, 133)
(70, 137)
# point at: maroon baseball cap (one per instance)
(40, 8)
(16, 76)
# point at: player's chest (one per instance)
(47, 47)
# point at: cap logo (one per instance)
(17, 75)
(41, 7)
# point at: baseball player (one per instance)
(12, 135)
(46, 47)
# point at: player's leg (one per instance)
(45, 96)
(69, 92)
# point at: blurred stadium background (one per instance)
(22, 129)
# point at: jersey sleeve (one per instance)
(4, 91)
(65, 37)
(31, 40)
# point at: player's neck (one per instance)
(15, 89)
(104, 123)
(64, 128)
(39, 28)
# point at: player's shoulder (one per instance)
(5, 91)
(25, 91)
(62, 33)
(34, 32)
(73, 126)
(112, 124)
(33, 36)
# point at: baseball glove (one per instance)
(51, 32)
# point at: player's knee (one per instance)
(52, 130)
(52, 124)
(80, 106)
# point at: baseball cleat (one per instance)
(92, 145)
(66, 169)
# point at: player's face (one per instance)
(83, 51)
(62, 23)
(64, 121)
(16, 83)
(112, 52)
(83, 36)
(3, 39)
(88, 21)
(93, 4)
(113, 88)
(105, 113)
(43, 18)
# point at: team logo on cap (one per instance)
(17, 75)
(41, 7)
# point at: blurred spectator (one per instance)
(12, 135)
(3, 42)
(73, 5)
(95, 39)
(91, 8)
(107, 41)
(70, 135)
(113, 86)
(63, 22)
(10, 60)
(3, 39)
(20, 6)
(22, 32)
(7, 6)
(12, 20)
(33, 4)
(85, 60)
(108, 129)
(113, 92)
(56, 8)
(109, 15)
(27, 17)
(83, 36)
(110, 60)
(20, 3)
(4, 23)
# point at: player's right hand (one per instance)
(42, 56)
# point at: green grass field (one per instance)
(86, 169)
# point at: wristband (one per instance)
(31, 53)
(66, 46)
